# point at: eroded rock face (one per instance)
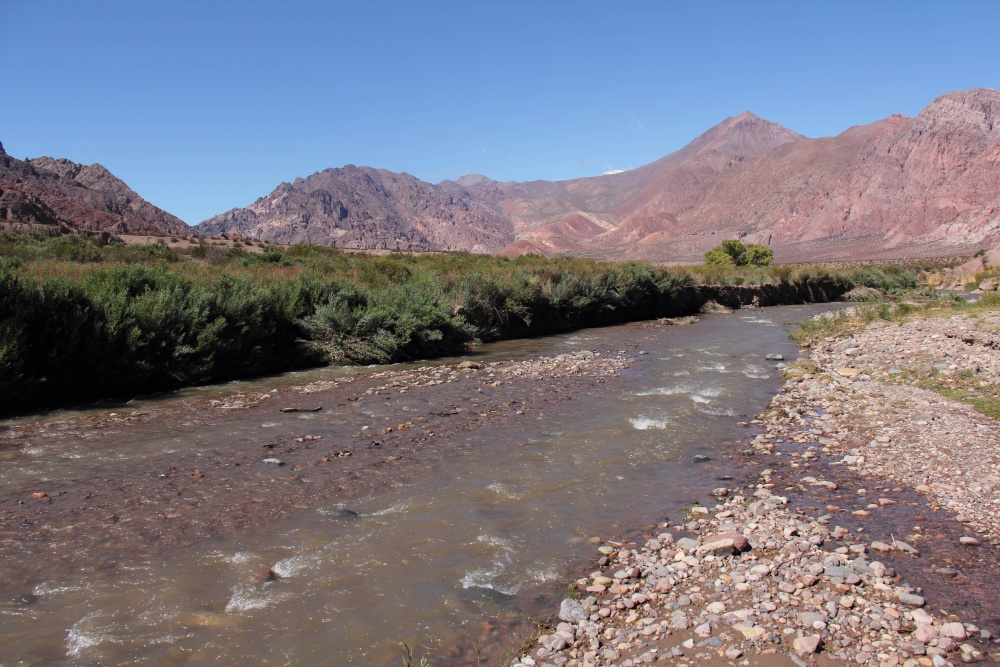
(18, 206)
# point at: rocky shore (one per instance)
(862, 528)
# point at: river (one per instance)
(450, 555)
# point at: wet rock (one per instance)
(910, 599)
(953, 630)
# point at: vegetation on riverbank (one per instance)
(843, 323)
(81, 321)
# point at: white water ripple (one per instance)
(646, 424)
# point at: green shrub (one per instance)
(735, 253)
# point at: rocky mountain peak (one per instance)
(972, 110)
(471, 180)
(739, 137)
(898, 187)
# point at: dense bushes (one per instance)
(889, 279)
(130, 328)
(80, 321)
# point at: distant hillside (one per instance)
(361, 207)
(900, 187)
(621, 215)
(926, 186)
(58, 192)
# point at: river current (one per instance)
(445, 562)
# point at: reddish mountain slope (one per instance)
(896, 188)
(632, 205)
(926, 186)
(59, 192)
(360, 207)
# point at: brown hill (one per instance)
(900, 187)
(57, 192)
(644, 200)
(361, 207)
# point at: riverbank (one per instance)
(82, 322)
(862, 527)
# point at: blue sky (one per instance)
(204, 106)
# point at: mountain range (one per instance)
(59, 193)
(901, 187)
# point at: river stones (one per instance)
(724, 544)
(806, 645)
(810, 586)
(687, 544)
(953, 630)
(572, 611)
(910, 599)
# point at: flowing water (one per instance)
(442, 560)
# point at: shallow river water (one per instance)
(442, 561)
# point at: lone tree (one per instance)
(736, 253)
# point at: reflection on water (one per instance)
(429, 561)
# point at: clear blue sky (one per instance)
(204, 106)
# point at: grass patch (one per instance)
(965, 387)
(844, 323)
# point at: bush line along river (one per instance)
(80, 322)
